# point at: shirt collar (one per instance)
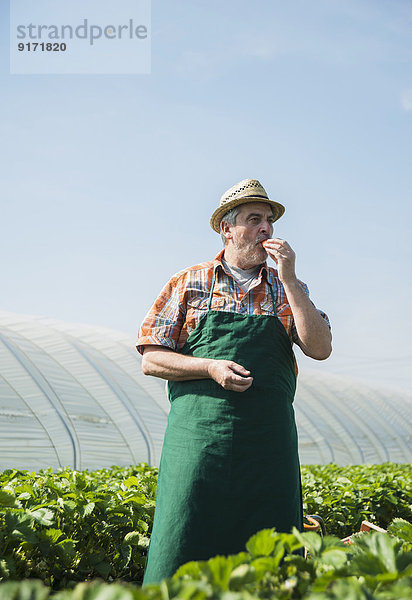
(217, 263)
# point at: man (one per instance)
(221, 333)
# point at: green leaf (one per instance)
(7, 498)
(134, 498)
(404, 563)
(240, 576)
(4, 570)
(52, 535)
(190, 569)
(312, 541)
(402, 529)
(24, 590)
(80, 480)
(67, 548)
(143, 526)
(183, 589)
(100, 591)
(131, 482)
(263, 565)
(344, 481)
(132, 538)
(344, 589)
(278, 552)
(20, 526)
(88, 509)
(262, 543)
(400, 590)
(335, 557)
(290, 541)
(103, 568)
(43, 516)
(24, 496)
(97, 556)
(69, 505)
(220, 568)
(374, 554)
(324, 549)
(126, 553)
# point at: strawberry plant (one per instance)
(67, 526)
(376, 566)
(345, 496)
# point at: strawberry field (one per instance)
(61, 529)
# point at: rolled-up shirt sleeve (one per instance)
(164, 321)
(294, 332)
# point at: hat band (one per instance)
(242, 197)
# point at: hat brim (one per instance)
(278, 209)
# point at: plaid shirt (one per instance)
(184, 299)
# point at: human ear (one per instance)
(225, 229)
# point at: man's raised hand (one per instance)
(284, 257)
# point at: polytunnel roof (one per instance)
(345, 421)
(74, 395)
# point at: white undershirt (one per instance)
(244, 277)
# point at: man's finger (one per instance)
(272, 241)
(239, 380)
(236, 368)
(277, 244)
(279, 252)
(239, 388)
(277, 249)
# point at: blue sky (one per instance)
(109, 181)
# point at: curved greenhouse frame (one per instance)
(74, 395)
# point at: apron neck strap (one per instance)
(273, 295)
(209, 304)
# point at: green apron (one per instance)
(229, 464)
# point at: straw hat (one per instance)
(247, 190)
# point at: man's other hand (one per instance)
(230, 375)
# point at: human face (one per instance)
(254, 224)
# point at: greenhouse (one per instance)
(74, 395)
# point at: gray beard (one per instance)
(250, 254)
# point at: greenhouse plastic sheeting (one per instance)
(74, 395)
